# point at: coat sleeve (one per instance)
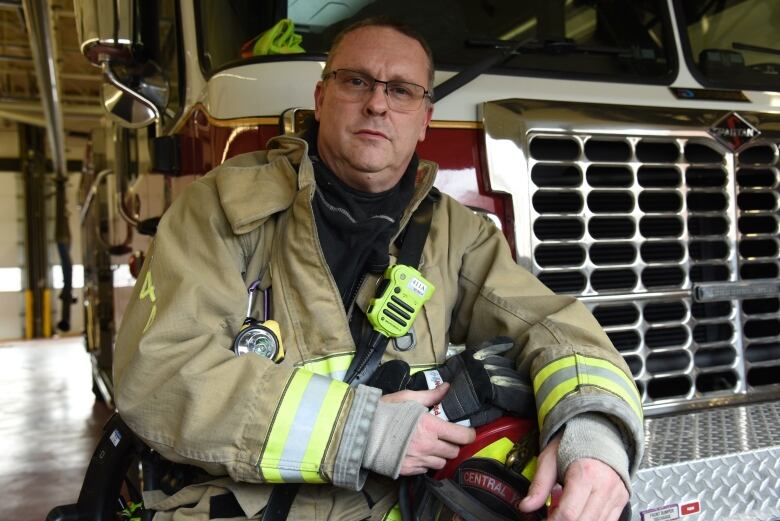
(180, 387)
(567, 355)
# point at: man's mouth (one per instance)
(370, 133)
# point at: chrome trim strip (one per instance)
(713, 291)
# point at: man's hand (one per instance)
(592, 491)
(434, 441)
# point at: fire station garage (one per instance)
(629, 153)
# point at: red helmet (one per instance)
(487, 480)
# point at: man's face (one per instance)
(365, 143)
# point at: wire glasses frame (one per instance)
(402, 96)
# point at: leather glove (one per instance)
(391, 377)
(484, 385)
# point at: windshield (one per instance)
(733, 43)
(604, 39)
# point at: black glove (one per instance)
(391, 377)
(484, 386)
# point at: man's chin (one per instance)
(373, 176)
(369, 164)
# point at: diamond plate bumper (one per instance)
(720, 464)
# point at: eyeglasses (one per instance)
(401, 96)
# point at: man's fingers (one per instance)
(592, 491)
(427, 398)
(431, 397)
(617, 502)
(615, 513)
(421, 464)
(544, 479)
(427, 443)
(576, 491)
(453, 433)
(445, 450)
(433, 443)
(412, 470)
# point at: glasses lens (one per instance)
(404, 96)
(401, 95)
(352, 83)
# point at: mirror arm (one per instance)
(91, 194)
(88, 204)
(105, 65)
(120, 204)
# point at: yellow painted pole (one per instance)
(46, 313)
(28, 314)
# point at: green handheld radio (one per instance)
(398, 300)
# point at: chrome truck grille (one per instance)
(669, 236)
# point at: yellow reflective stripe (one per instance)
(394, 514)
(611, 386)
(312, 476)
(551, 368)
(333, 366)
(497, 450)
(561, 377)
(598, 362)
(555, 396)
(302, 428)
(329, 411)
(281, 426)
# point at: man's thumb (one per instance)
(431, 397)
(541, 486)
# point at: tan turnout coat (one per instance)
(182, 390)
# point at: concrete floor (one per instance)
(49, 425)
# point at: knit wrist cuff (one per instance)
(592, 435)
(389, 436)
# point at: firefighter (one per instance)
(313, 223)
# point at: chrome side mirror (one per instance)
(135, 91)
(137, 106)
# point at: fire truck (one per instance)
(627, 149)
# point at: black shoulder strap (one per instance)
(416, 232)
(368, 357)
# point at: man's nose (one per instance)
(377, 99)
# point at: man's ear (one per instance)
(319, 93)
(428, 117)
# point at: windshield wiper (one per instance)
(506, 49)
(755, 48)
(500, 54)
(557, 46)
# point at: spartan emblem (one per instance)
(733, 131)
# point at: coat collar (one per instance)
(256, 185)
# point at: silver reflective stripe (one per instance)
(302, 428)
(553, 381)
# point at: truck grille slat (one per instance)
(550, 229)
(669, 387)
(716, 381)
(658, 177)
(609, 176)
(611, 227)
(607, 150)
(763, 352)
(709, 358)
(762, 376)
